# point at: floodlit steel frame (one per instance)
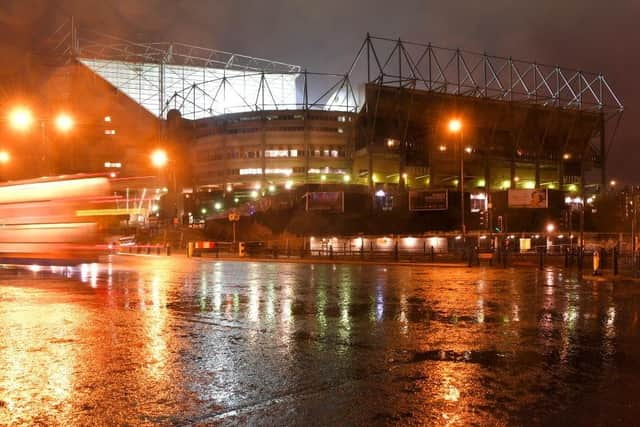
(388, 62)
(332, 92)
(460, 72)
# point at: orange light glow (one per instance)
(455, 125)
(21, 119)
(64, 122)
(159, 158)
(4, 157)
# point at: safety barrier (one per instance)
(197, 248)
(151, 249)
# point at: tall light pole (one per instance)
(21, 119)
(455, 127)
(160, 160)
(634, 227)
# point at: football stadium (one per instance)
(409, 137)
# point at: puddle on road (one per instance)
(174, 343)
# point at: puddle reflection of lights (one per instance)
(84, 273)
(94, 275)
(480, 310)
(452, 394)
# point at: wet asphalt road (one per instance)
(177, 341)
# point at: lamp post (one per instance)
(160, 160)
(5, 158)
(550, 228)
(21, 119)
(455, 127)
(634, 227)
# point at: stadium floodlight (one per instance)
(21, 118)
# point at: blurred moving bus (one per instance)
(57, 219)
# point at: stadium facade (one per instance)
(253, 129)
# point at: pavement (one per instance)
(175, 341)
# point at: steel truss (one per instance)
(389, 62)
(331, 92)
(234, 83)
(428, 67)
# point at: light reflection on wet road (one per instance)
(176, 341)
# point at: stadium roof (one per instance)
(202, 82)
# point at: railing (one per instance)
(151, 249)
(568, 256)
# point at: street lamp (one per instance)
(4, 157)
(21, 119)
(160, 159)
(550, 227)
(455, 127)
(64, 122)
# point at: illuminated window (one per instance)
(278, 171)
(276, 153)
(251, 171)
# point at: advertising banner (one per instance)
(528, 198)
(325, 201)
(429, 200)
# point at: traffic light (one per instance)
(499, 228)
(241, 249)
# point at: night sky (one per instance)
(325, 35)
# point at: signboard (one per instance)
(528, 198)
(429, 200)
(326, 201)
